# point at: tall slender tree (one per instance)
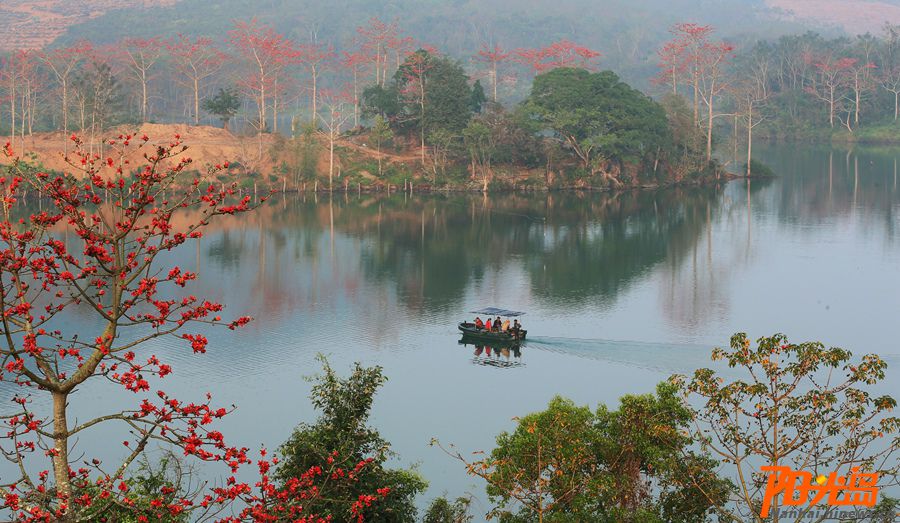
(315, 58)
(714, 59)
(376, 40)
(493, 56)
(139, 56)
(685, 56)
(355, 64)
(62, 63)
(336, 115)
(263, 51)
(196, 60)
(832, 74)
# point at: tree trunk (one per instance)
(12, 110)
(331, 160)
(196, 101)
(275, 106)
(143, 98)
(262, 101)
(495, 81)
(65, 115)
(61, 447)
(378, 65)
(749, 138)
(696, 98)
(709, 129)
(422, 122)
(380, 159)
(356, 103)
(831, 109)
(315, 95)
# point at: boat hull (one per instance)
(469, 331)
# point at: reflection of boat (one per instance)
(469, 329)
(502, 355)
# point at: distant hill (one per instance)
(627, 32)
(33, 24)
(853, 16)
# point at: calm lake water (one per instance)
(621, 291)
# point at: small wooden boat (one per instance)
(470, 331)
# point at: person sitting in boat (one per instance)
(478, 323)
(497, 324)
(516, 328)
(487, 325)
(505, 327)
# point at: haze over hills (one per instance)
(33, 24)
(853, 16)
(37, 23)
(626, 32)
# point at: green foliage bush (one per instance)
(342, 430)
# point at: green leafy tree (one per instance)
(479, 99)
(567, 463)
(445, 146)
(377, 100)
(380, 134)
(801, 405)
(342, 433)
(599, 117)
(435, 96)
(686, 153)
(225, 104)
(442, 510)
(164, 483)
(480, 144)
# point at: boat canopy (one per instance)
(494, 311)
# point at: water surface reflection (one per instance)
(384, 280)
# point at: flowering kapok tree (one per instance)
(114, 284)
(195, 60)
(558, 54)
(375, 43)
(124, 222)
(492, 56)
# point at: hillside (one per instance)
(627, 32)
(853, 16)
(637, 25)
(33, 24)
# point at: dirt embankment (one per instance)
(269, 156)
(206, 146)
